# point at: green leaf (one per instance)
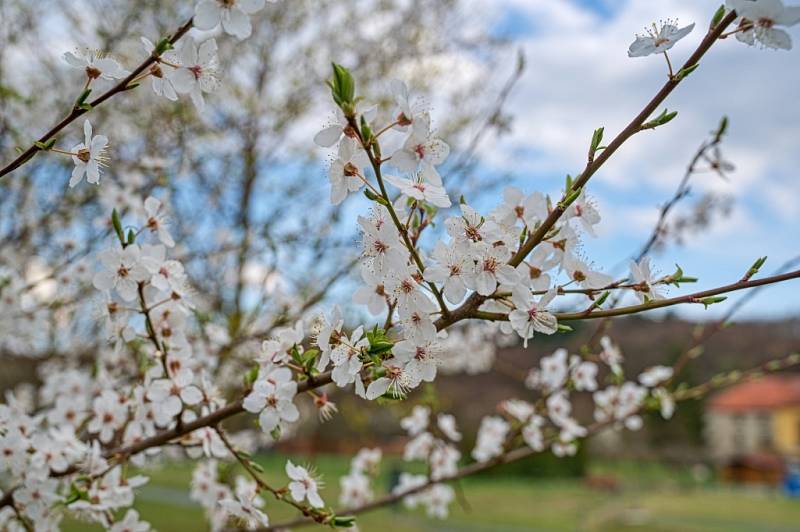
(162, 46)
(251, 376)
(597, 138)
(379, 343)
(117, 224)
(719, 14)
(684, 72)
(131, 236)
(366, 132)
(343, 521)
(374, 197)
(82, 98)
(664, 118)
(679, 277)
(343, 88)
(380, 347)
(567, 200)
(310, 354)
(296, 355)
(564, 328)
(754, 268)
(708, 301)
(601, 300)
(276, 433)
(722, 129)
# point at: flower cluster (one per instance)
(165, 376)
(356, 489)
(433, 444)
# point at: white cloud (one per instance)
(579, 77)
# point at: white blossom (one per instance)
(655, 375)
(88, 157)
(643, 278)
(233, 14)
(198, 72)
(491, 437)
(130, 523)
(122, 270)
(171, 394)
(421, 147)
(417, 422)
(96, 64)
(158, 221)
(160, 79)
(531, 316)
(303, 486)
(345, 172)
(272, 398)
(759, 20)
(426, 186)
(658, 39)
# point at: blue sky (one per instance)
(579, 77)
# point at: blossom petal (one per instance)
(207, 15)
(237, 24)
(328, 136)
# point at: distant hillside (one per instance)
(644, 342)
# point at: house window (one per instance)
(738, 433)
(797, 435)
(765, 431)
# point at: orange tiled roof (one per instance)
(771, 391)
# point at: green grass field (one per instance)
(652, 497)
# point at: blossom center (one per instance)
(490, 264)
(380, 247)
(84, 155)
(93, 72)
(406, 286)
(350, 170)
(472, 233)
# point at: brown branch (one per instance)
(475, 300)
(695, 297)
(77, 112)
(523, 452)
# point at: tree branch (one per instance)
(77, 112)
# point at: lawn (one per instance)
(651, 497)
